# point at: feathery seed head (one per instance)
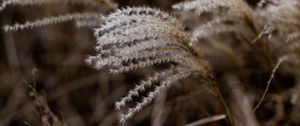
(134, 38)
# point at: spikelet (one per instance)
(282, 16)
(139, 37)
(202, 6)
(212, 6)
(52, 20)
(230, 16)
(234, 16)
(6, 3)
(212, 28)
(82, 19)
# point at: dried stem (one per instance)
(207, 120)
(280, 61)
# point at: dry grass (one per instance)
(208, 62)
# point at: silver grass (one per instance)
(134, 38)
(52, 20)
(212, 28)
(202, 6)
(212, 6)
(7, 3)
(283, 16)
(178, 74)
(83, 19)
(237, 17)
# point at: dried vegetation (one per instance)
(194, 62)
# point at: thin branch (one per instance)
(207, 120)
(280, 61)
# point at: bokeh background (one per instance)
(51, 58)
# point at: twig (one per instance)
(282, 59)
(207, 120)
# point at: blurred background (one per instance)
(51, 59)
